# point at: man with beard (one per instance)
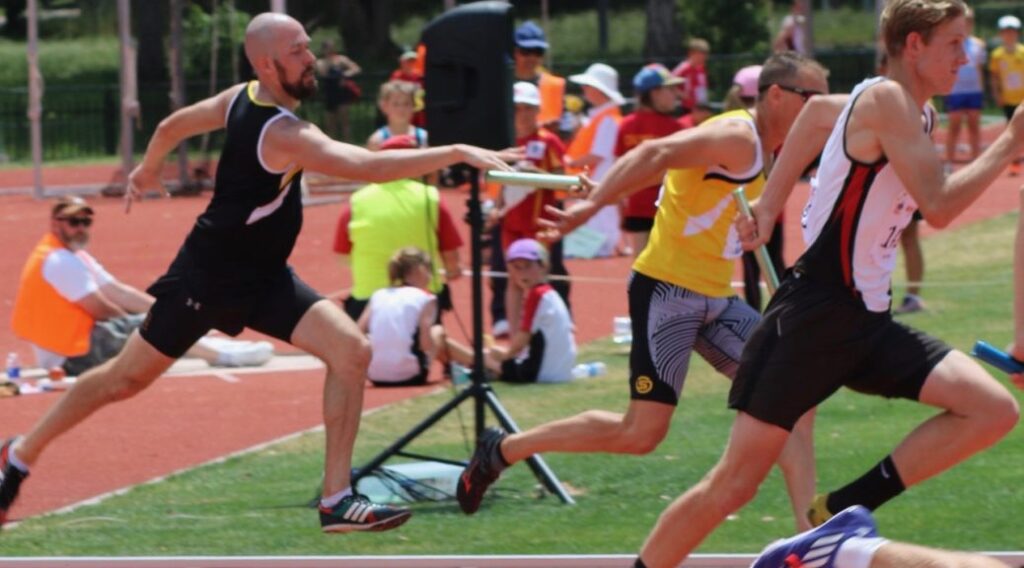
(231, 273)
(76, 315)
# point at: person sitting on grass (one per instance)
(543, 347)
(399, 322)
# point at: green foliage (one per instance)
(842, 27)
(731, 26)
(198, 35)
(82, 60)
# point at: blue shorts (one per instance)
(964, 101)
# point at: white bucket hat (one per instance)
(1009, 23)
(603, 78)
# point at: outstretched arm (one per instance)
(730, 144)
(895, 120)
(302, 143)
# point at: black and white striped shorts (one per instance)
(669, 323)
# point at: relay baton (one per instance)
(997, 358)
(771, 279)
(549, 181)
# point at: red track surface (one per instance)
(181, 422)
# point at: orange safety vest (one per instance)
(41, 315)
(552, 95)
(584, 139)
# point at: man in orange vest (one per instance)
(531, 45)
(76, 315)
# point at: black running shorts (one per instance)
(182, 314)
(815, 339)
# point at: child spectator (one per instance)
(409, 71)
(657, 99)
(521, 208)
(397, 101)
(694, 89)
(543, 347)
(1006, 72)
(399, 321)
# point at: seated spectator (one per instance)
(381, 218)
(77, 315)
(543, 347)
(397, 101)
(399, 321)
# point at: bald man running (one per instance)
(232, 271)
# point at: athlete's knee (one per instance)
(1000, 415)
(126, 383)
(352, 357)
(640, 436)
(734, 487)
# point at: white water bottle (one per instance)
(593, 369)
(622, 330)
(13, 367)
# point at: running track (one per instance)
(184, 421)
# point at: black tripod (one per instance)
(479, 390)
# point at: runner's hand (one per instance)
(566, 220)
(139, 181)
(1018, 354)
(753, 231)
(484, 160)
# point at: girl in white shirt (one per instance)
(399, 322)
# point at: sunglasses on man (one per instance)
(77, 221)
(535, 51)
(805, 94)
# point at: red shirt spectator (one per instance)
(643, 124)
(695, 86)
(524, 206)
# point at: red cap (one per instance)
(403, 142)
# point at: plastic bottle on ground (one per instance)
(13, 366)
(622, 330)
(592, 369)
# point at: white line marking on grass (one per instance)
(245, 451)
(503, 561)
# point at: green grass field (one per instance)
(255, 504)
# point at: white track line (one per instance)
(252, 449)
(504, 561)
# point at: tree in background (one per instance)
(731, 26)
(663, 32)
(149, 27)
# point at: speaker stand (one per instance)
(479, 390)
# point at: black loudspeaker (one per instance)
(468, 76)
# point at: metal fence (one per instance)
(83, 121)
